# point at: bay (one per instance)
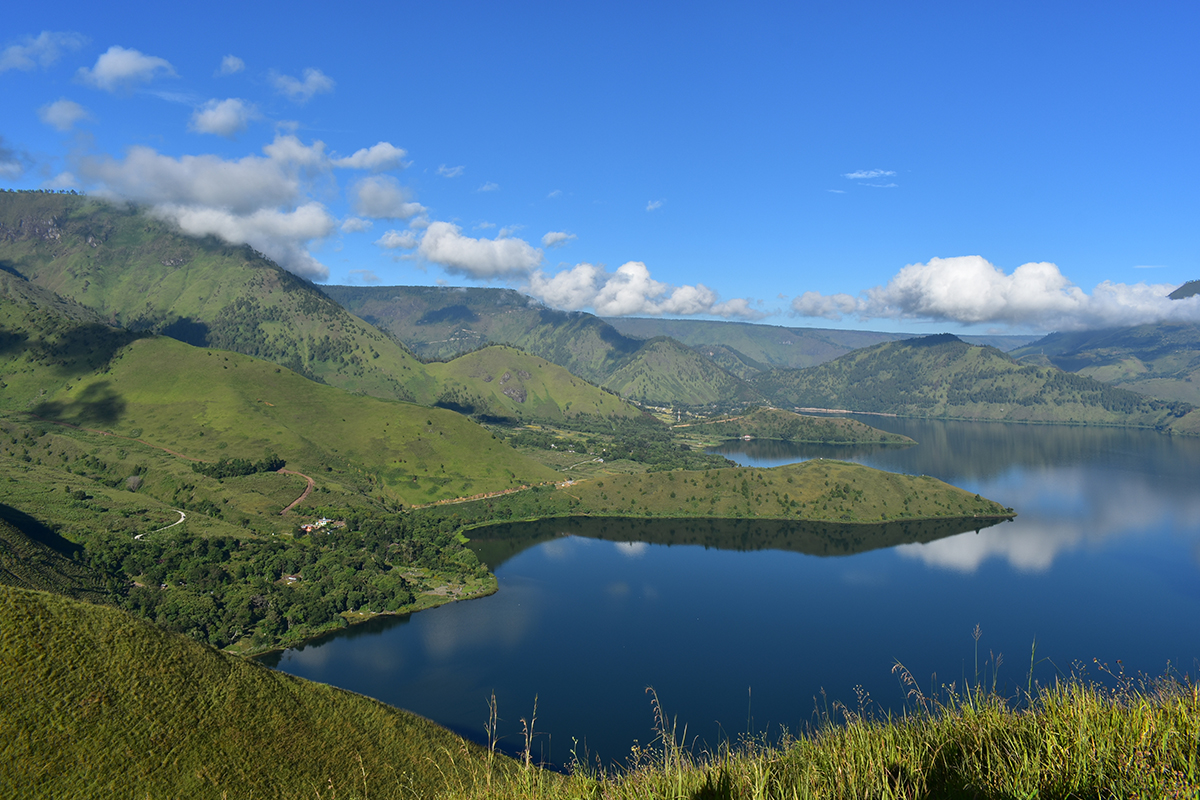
(741, 629)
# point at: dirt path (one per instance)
(182, 517)
(707, 422)
(483, 496)
(307, 490)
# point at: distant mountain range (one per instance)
(943, 376)
(1161, 360)
(130, 270)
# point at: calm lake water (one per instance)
(744, 628)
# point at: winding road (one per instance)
(307, 491)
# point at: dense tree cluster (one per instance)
(237, 467)
(221, 589)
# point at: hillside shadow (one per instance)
(98, 404)
(38, 532)
(457, 313)
(6, 266)
(188, 331)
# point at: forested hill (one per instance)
(1161, 360)
(441, 322)
(943, 376)
(142, 274)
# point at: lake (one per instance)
(743, 628)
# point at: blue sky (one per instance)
(964, 167)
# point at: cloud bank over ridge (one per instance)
(970, 290)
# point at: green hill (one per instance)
(209, 405)
(942, 376)
(818, 490)
(1160, 360)
(441, 322)
(500, 382)
(776, 423)
(140, 273)
(94, 703)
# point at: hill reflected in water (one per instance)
(496, 544)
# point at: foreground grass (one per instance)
(1074, 739)
(96, 703)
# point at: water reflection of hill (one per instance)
(775, 451)
(496, 544)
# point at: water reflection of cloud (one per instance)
(1060, 511)
(631, 549)
(618, 589)
(503, 620)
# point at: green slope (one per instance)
(209, 405)
(942, 376)
(94, 703)
(441, 322)
(818, 490)
(140, 273)
(776, 423)
(500, 382)
(1160, 360)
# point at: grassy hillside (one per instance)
(441, 322)
(140, 273)
(503, 383)
(1161, 360)
(818, 490)
(942, 376)
(772, 346)
(96, 703)
(776, 423)
(664, 372)
(208, 405)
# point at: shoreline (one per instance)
(359, 618)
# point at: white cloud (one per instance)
(280, 235)
(231, 65)
(382, 197)
(555, 193)
(356, 225)
(242, 186)
(970, 290)
(836, 191)
(557, 238)
(654, 205)
(450, 172)
(12, 162)
(443, 244)
(257, 200)
(815, 304)
(375, 158)
(489, 187)
(39, 51)
(62, 114)
(63, 180)
(301, 91)
(223, 117)
(398, 240)
(868, 174)
(118, 68)
(631, 290)
(364, 275)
